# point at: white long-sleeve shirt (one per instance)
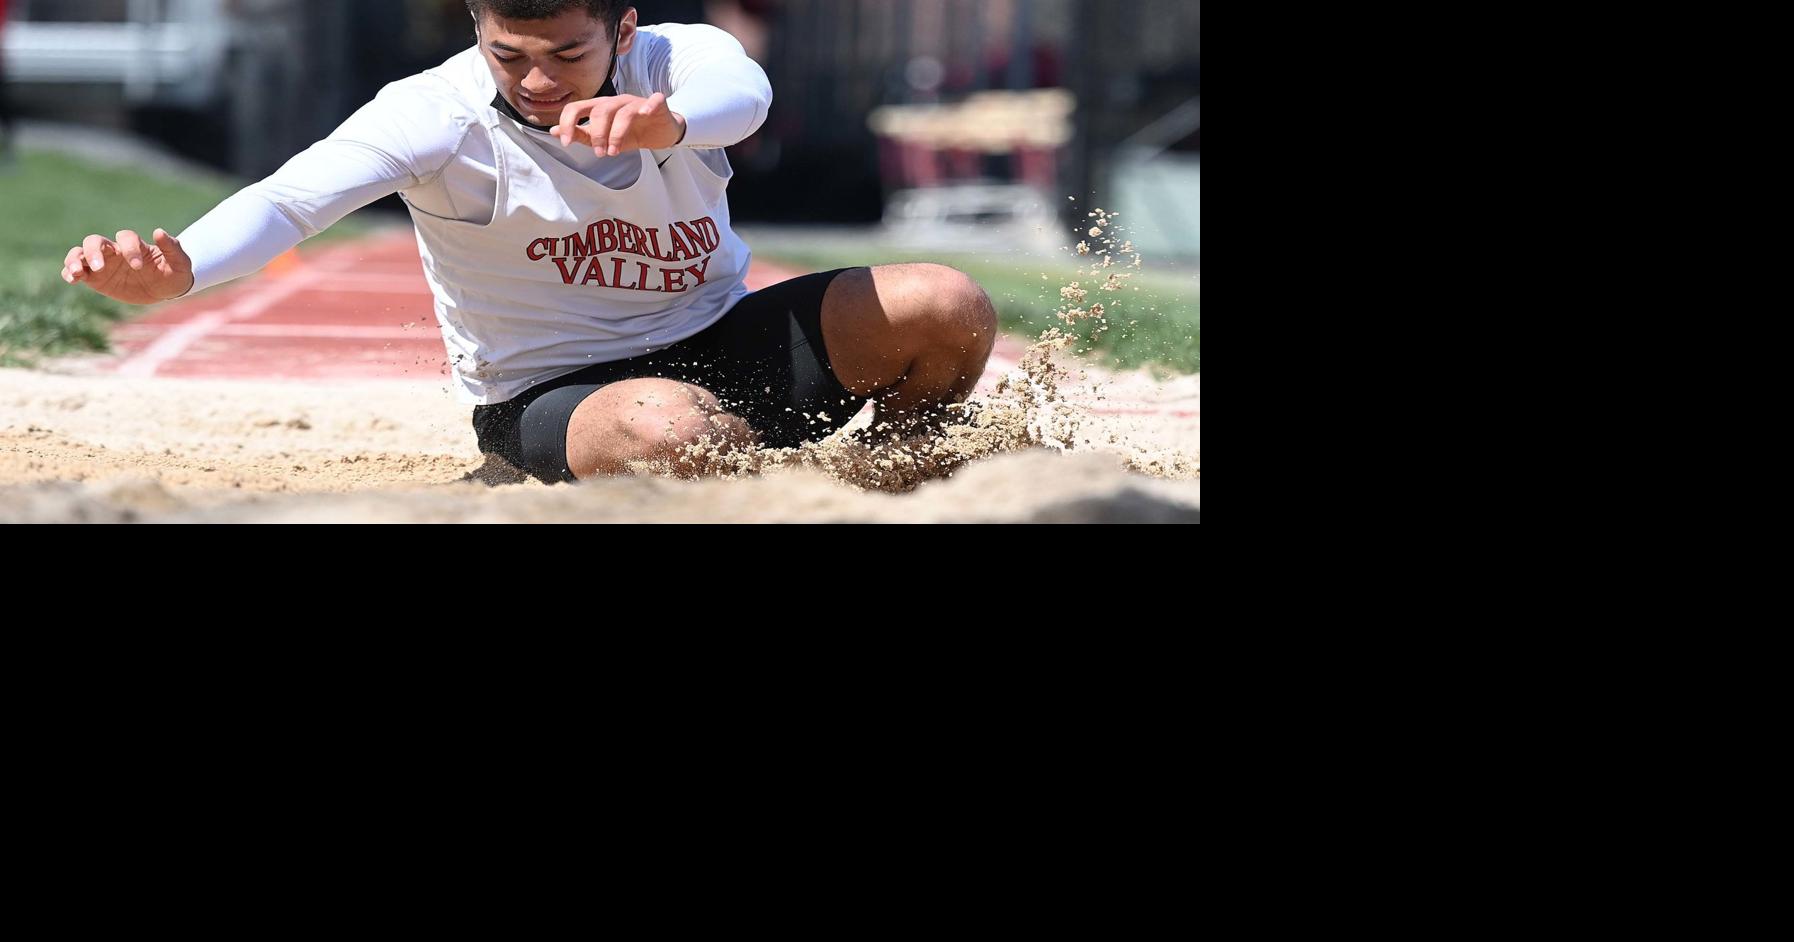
(418, 138)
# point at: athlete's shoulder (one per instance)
(677, 36)
(448, 98)
(420, 120)
(664, 52)
(464, 77)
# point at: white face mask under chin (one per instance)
(609, 90)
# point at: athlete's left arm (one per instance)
(683, 86)
(708, 79)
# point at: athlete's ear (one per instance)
(626, 32)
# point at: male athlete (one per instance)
(568, 184)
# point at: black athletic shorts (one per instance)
(764, 360)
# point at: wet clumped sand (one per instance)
(80, 446)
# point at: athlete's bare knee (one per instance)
(655, 422)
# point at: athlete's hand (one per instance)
(129, 270)
(621, 124)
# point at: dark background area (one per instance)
(297, 68)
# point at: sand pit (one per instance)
(103, 448)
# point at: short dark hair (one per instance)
(609, 11)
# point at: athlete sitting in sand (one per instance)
(568, 184)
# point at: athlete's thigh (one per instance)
(771, 366)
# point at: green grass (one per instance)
(1158, 327)
(51, 202)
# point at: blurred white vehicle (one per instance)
(171, 52)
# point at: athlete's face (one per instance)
(542, 66)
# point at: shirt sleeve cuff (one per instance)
(715, 118)
(237, 238)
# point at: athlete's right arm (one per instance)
(404, 138)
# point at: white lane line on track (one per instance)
(171, 345)
(306, 331)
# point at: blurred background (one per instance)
(980, 127)
(925, 112)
